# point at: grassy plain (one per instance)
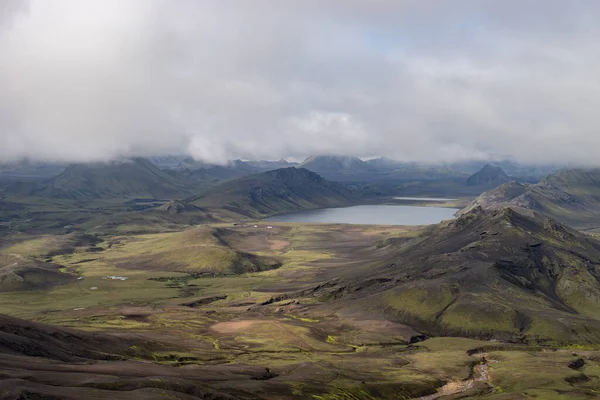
(220, 294)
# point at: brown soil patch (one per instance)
(234, 326)
(277, 245)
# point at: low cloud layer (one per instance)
(220, 79)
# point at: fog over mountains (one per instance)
(221, 80)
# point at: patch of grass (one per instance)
(540, 374)
(480, 315)
(426, 304)
(303, 319)
(197, 250)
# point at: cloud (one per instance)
(220, 79)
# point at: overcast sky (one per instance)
(427, 80)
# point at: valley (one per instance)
(311, 200)
(202, 296)
(194, 319)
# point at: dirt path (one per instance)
(481, 374)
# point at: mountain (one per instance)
(211, 173)
(132, 178)
(387, 163)
(493, 274)
(333, 164)
(169, 162)
(264, 165)
(282, 190)
(570, 196)
(383, 171)
(489, 175)
(234, 169)
(524, 172)
(28, 170)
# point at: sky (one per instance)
(415, 80)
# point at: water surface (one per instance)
(423, 199)
(371, 215)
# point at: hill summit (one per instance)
(487, 176)
(333, 164)
(277, 191)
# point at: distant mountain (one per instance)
(132, 178)
(211, 173)
(489, 175)
(29, 170)
(169, 162)
(524, 172)
(380, 170)
(264, 165)
(287, 189)
(571, 196)
(387, 163)
(333, 164)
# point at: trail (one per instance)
(481, 374)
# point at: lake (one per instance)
(423, 199)
(370, 215)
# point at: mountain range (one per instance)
(213, 174)
(570, 196)
(235, 310)
(379, 170)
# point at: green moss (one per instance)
(480, 315)
(424, 303)
(303, 319)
